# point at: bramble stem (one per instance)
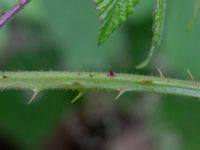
(86, 81)
(12, 11)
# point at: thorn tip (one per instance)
(80, 94)
(121, 92)
(35, 93)
(160, 72)
(191, 76)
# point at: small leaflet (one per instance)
(113, 13)
(158, 23)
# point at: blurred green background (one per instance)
(62, 35)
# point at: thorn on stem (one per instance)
(160, 72)
(191, 76)
(35, 93)
(121, 92)
(80, 94)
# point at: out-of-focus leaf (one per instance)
(112, 14)
(75, 28)
(180, 45)
(195, 15)
(3, 39)
(178, 118)
(7, 3)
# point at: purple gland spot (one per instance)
(111, 73)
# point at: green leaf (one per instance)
(112, 14)
(158, 23)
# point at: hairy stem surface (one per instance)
(84, 81)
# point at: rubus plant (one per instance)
(112, 14)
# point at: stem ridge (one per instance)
(87, 80)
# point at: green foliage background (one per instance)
(62, 35)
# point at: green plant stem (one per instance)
(38, 81)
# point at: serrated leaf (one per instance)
(112, 14)
(158, 23)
